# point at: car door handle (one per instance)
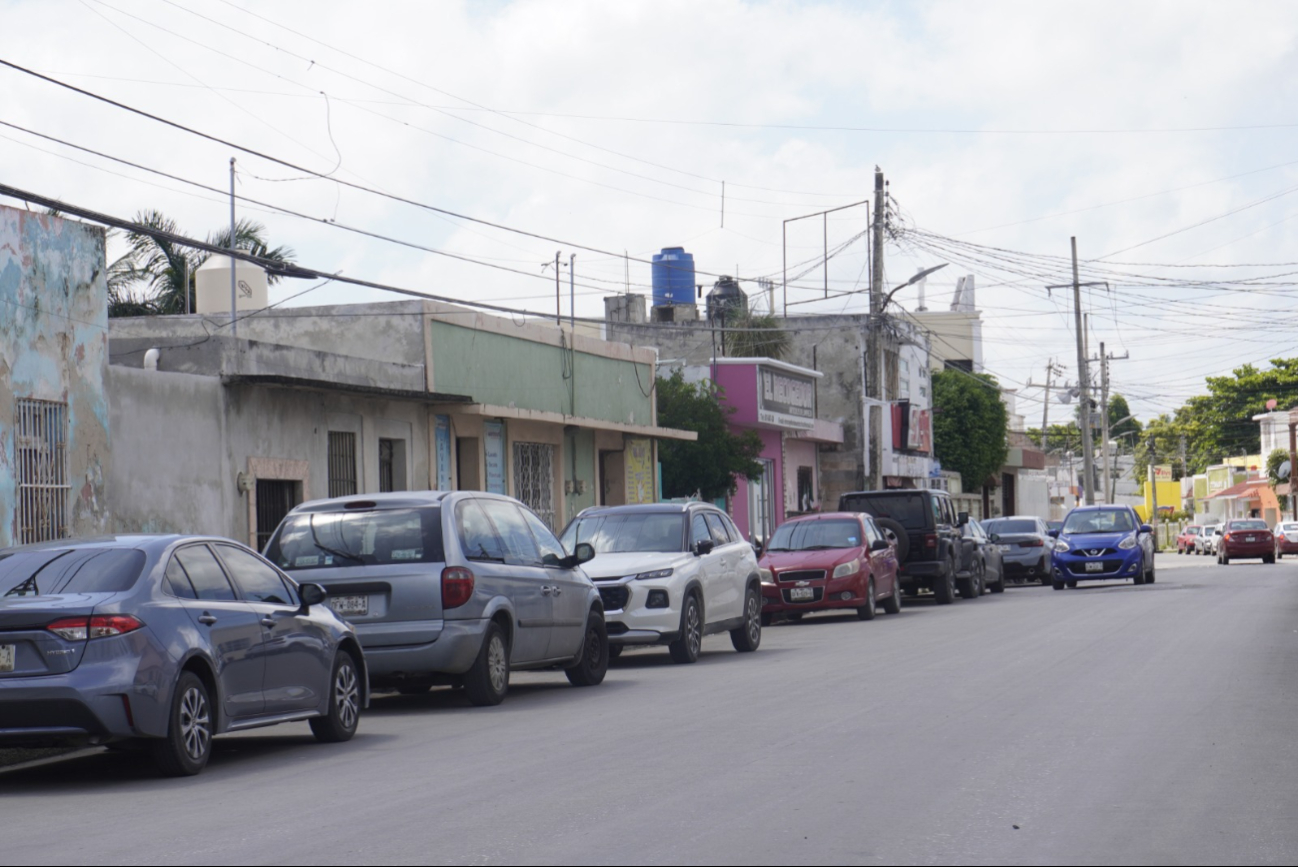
(268, 622)
(545, 589)
(206, 619)
(556, 590)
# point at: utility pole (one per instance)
(558, 296)
(1104, 420)
(234, 298)
(873, 327)
(1083, 381)
(572, 294)
(1153, 491)
(1293, 462)
(1045, 408)
(1185, 469)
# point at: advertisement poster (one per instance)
(442, 436)
(785, 399)
(494, 446)
(639, 470)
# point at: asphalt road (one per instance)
(1111, 724)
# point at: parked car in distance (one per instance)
(1026, 545)
(924, 526)
(1205, 544)
(1286, 538)
(165, 642)
(981, 558)
(1185, 539)
(671, 573)
(1103, 543)
(834, 560)
(1243, 538)
(449, 588)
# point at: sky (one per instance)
(1159, 134)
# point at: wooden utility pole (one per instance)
(874, 355)
(1083, 382)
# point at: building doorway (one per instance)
(275, 499)
(467, 462)
(534, 479)
(761, 505)
(612, 478)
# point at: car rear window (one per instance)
(332, 540)
(82, 570)
(1005, 526)
(1248, 525)
(906, 509)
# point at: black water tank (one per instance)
(726, 299)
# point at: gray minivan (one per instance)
(449, 588)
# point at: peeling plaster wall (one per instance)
(54, 346)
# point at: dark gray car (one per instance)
(1025, 545)
(167, 641)
(449, 588)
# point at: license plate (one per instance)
(1094, 567)
(1250, 538)
(350, 606)
(1003, 548)
(7, 653)
(798, 594)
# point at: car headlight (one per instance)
(1128, 543)
(767, 576)
(657, 573)
(851, 567)
(1061, 546)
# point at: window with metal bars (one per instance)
(342, 464)
(41, 464)
(534, 478)
(275, 499)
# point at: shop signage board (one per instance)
(442, 434)
(785, 399)
(639, 463)
(1162, 473)
(493, 442)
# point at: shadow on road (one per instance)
(524, 693)
(658, 657)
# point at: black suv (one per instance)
(925, 527)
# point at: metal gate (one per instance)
(41, 458)
(275, 499)
(534, 478)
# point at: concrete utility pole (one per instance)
(234, 298)
(1153, 491)
(1293, 462)
(873, 350)
(1104, 420)
(558, 293)
(1083, 382)
(1185, 470)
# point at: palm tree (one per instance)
(156, 275)
(763, 339)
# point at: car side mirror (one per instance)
(880, 545)
(311, 594)
(1145, 528)
(584, 552)
(759, 547)
(962, 518)
(994, 537)
(703, 546)
(1053, 534)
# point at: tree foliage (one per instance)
(766, 339)
(970, 424)
(1121, 422)
(708, 466)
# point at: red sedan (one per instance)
(1246, 537)
(1185, 540)
(833, 560)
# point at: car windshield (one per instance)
(1248, 525)
(1099, 521)
(816, 536)
(1005, 526)
(79, 570)
(658, 532)
(906, 509)
(332, 540)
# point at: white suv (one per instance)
(670, 574)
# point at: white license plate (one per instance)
(1250, 538)
(350, 606)
(7, 653)
(1094, 567)
(798, 594)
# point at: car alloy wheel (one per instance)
(195, 724)
(497, 665)
(347, 695)
(748, 637)
(686, 648)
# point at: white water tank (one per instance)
(212, 286)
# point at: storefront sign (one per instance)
(493, 443)
(920, 436)
(442, 436)
(1162, 473)
(639, 462)
(785, 399)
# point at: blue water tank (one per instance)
(673, 276)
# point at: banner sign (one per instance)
(785, 399)
(494, 447)
(442, 436)
(640, 472)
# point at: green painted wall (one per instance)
(500, 370)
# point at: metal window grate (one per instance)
(275, 499)
(534, 478)
(41, 458)
(342, 464)
(387, 474)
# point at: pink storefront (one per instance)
(778, 401)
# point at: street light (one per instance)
(913, 280)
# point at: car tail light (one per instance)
(1226, 538)
(99, 626)
(1034, 543)
(457, 586)
(930, 540)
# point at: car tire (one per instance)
(1279, 555)
(1269, 558)
(614, 651)
(999, 586)
(487, 680)
(1149, 578)
(748, 637)
(895, 533)
(1058, 585)
(767, 618)
(869, 609)
(187, 746)
(1223, 559)
(971, 587)
(685, 649)
(339, 723)
(892, 605)
(944, 590)
(593, 665)
(1072, 585)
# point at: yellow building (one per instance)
(1169, 499)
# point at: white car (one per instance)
(1206, 542)
(671, 573)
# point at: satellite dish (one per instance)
(1282, 472)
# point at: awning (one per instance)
(644, 430)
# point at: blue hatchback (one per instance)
(1102, 543)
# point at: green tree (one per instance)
(1121, 422)
(709, 465)
(1273, 462)
(970, 424)
(765, 339)
(150, 278)
(1062, 438)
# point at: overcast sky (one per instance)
(613, 124)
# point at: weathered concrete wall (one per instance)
(54, 347)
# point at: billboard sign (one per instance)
(785, 399)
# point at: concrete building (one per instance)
(54, 421)
(224, 436)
